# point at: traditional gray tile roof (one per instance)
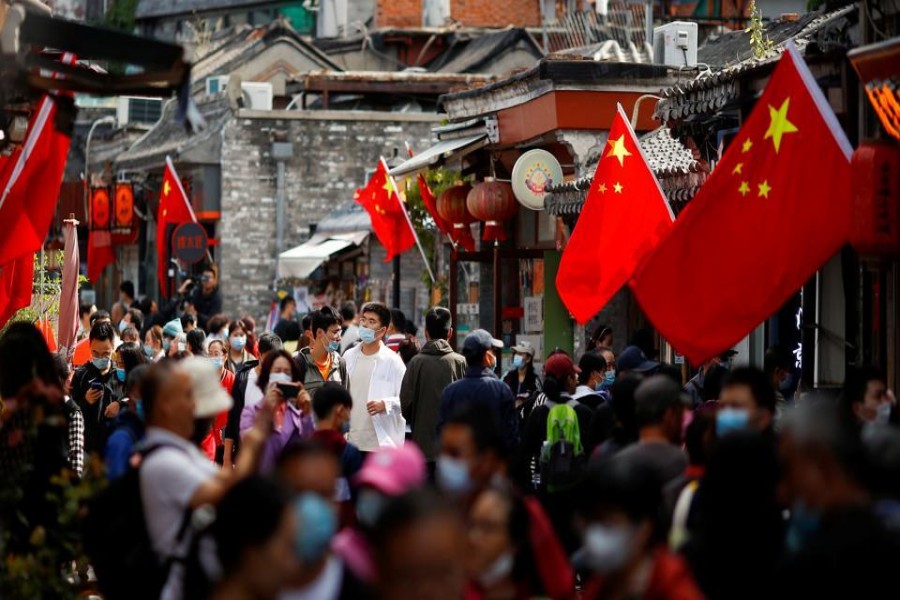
(730, 59)
(482, 51)
(154, 9)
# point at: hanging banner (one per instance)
(124, 207)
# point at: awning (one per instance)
(441, 152)
(301, 261)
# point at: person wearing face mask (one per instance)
(321, 360)
(747, 400)
(481, 386)
(133, 317)
(590, 390)
(214, 440)
(512, 551)
(128, 428)
(153, 344)
(280, 377)
(170, 332)
(473, 453)
(238, 352)
(866, 397)
(211, 400)
(311, 472)
(837, 546)
(376, 374)
(386, 474)
(126, 358)
(92, 388)
(333, 405)
(246, 392)
(623, 547)
(522, 379)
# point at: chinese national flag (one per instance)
(174, 209)
(624, 216)
(389, 221)
(775, 209)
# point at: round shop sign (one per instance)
(189, 242)
(532, 174)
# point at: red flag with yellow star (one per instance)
(624, 216)
(174, 209)
(389, 220)
(774, 210)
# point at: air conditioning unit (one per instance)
(332, 19)
(216, 84)
(435, 13)
(675, 44)
(257, 95)
(137, 109)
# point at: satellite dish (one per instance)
(533, 173)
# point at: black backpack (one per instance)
(117, 541)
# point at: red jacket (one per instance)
(671, 579)
(214, 438)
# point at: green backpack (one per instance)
(562, 458)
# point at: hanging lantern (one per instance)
(100, 209)
(492, 202)
(451, 206)
(876, 181)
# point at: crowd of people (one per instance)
(335, 457)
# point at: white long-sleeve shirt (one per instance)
(384, 384)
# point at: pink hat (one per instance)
(393, 471)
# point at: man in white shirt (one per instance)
(178, 477)
(376, 374)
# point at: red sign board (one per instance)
(189, 243)
(100, 208)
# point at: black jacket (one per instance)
(96, 425)
(206, 305)
(238, 390)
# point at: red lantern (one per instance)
(492, 202)
(451, 206)
(876, 181)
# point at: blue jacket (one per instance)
(481, 385)
(128, 430)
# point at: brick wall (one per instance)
(398, 13)
(471, 13)
(331, 155)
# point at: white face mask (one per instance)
(499, 570)
(607, 548)
(883, 413)
(279, 378)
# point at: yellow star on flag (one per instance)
(779, 124)
(737, 168)
(618, 187)
(744, 189)
(618, 149)
(747, 145)
(166, 187)
(764, 189)
(602, 188)
(387, 186)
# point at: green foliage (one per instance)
(759, 41)
(121, 15)
(438, 180)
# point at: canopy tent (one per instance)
(301, 261)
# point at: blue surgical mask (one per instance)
(101, 364)
(883, 413)
(366, 335)
(317, 524)
(217, 362)
(608, 379)
(518, 361)
(167, 343)
(345, 427)
(122, 326)
(369, 506)
(731, 419)
(453, 475)
(120, 375)
(334, 346)
(238, 342)
(148, 350)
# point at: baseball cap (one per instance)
(560, 366)
(660, 390)
(524, 347)
(634, 359)
(210, 398)
(173, 328)
(393, 471)
(479, 341)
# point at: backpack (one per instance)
(562, 458)
(117, 541)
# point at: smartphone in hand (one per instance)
(288, 390)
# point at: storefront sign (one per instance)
(534, 314)
(532, 174)
(189, 243)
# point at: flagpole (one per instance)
(408, 220)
